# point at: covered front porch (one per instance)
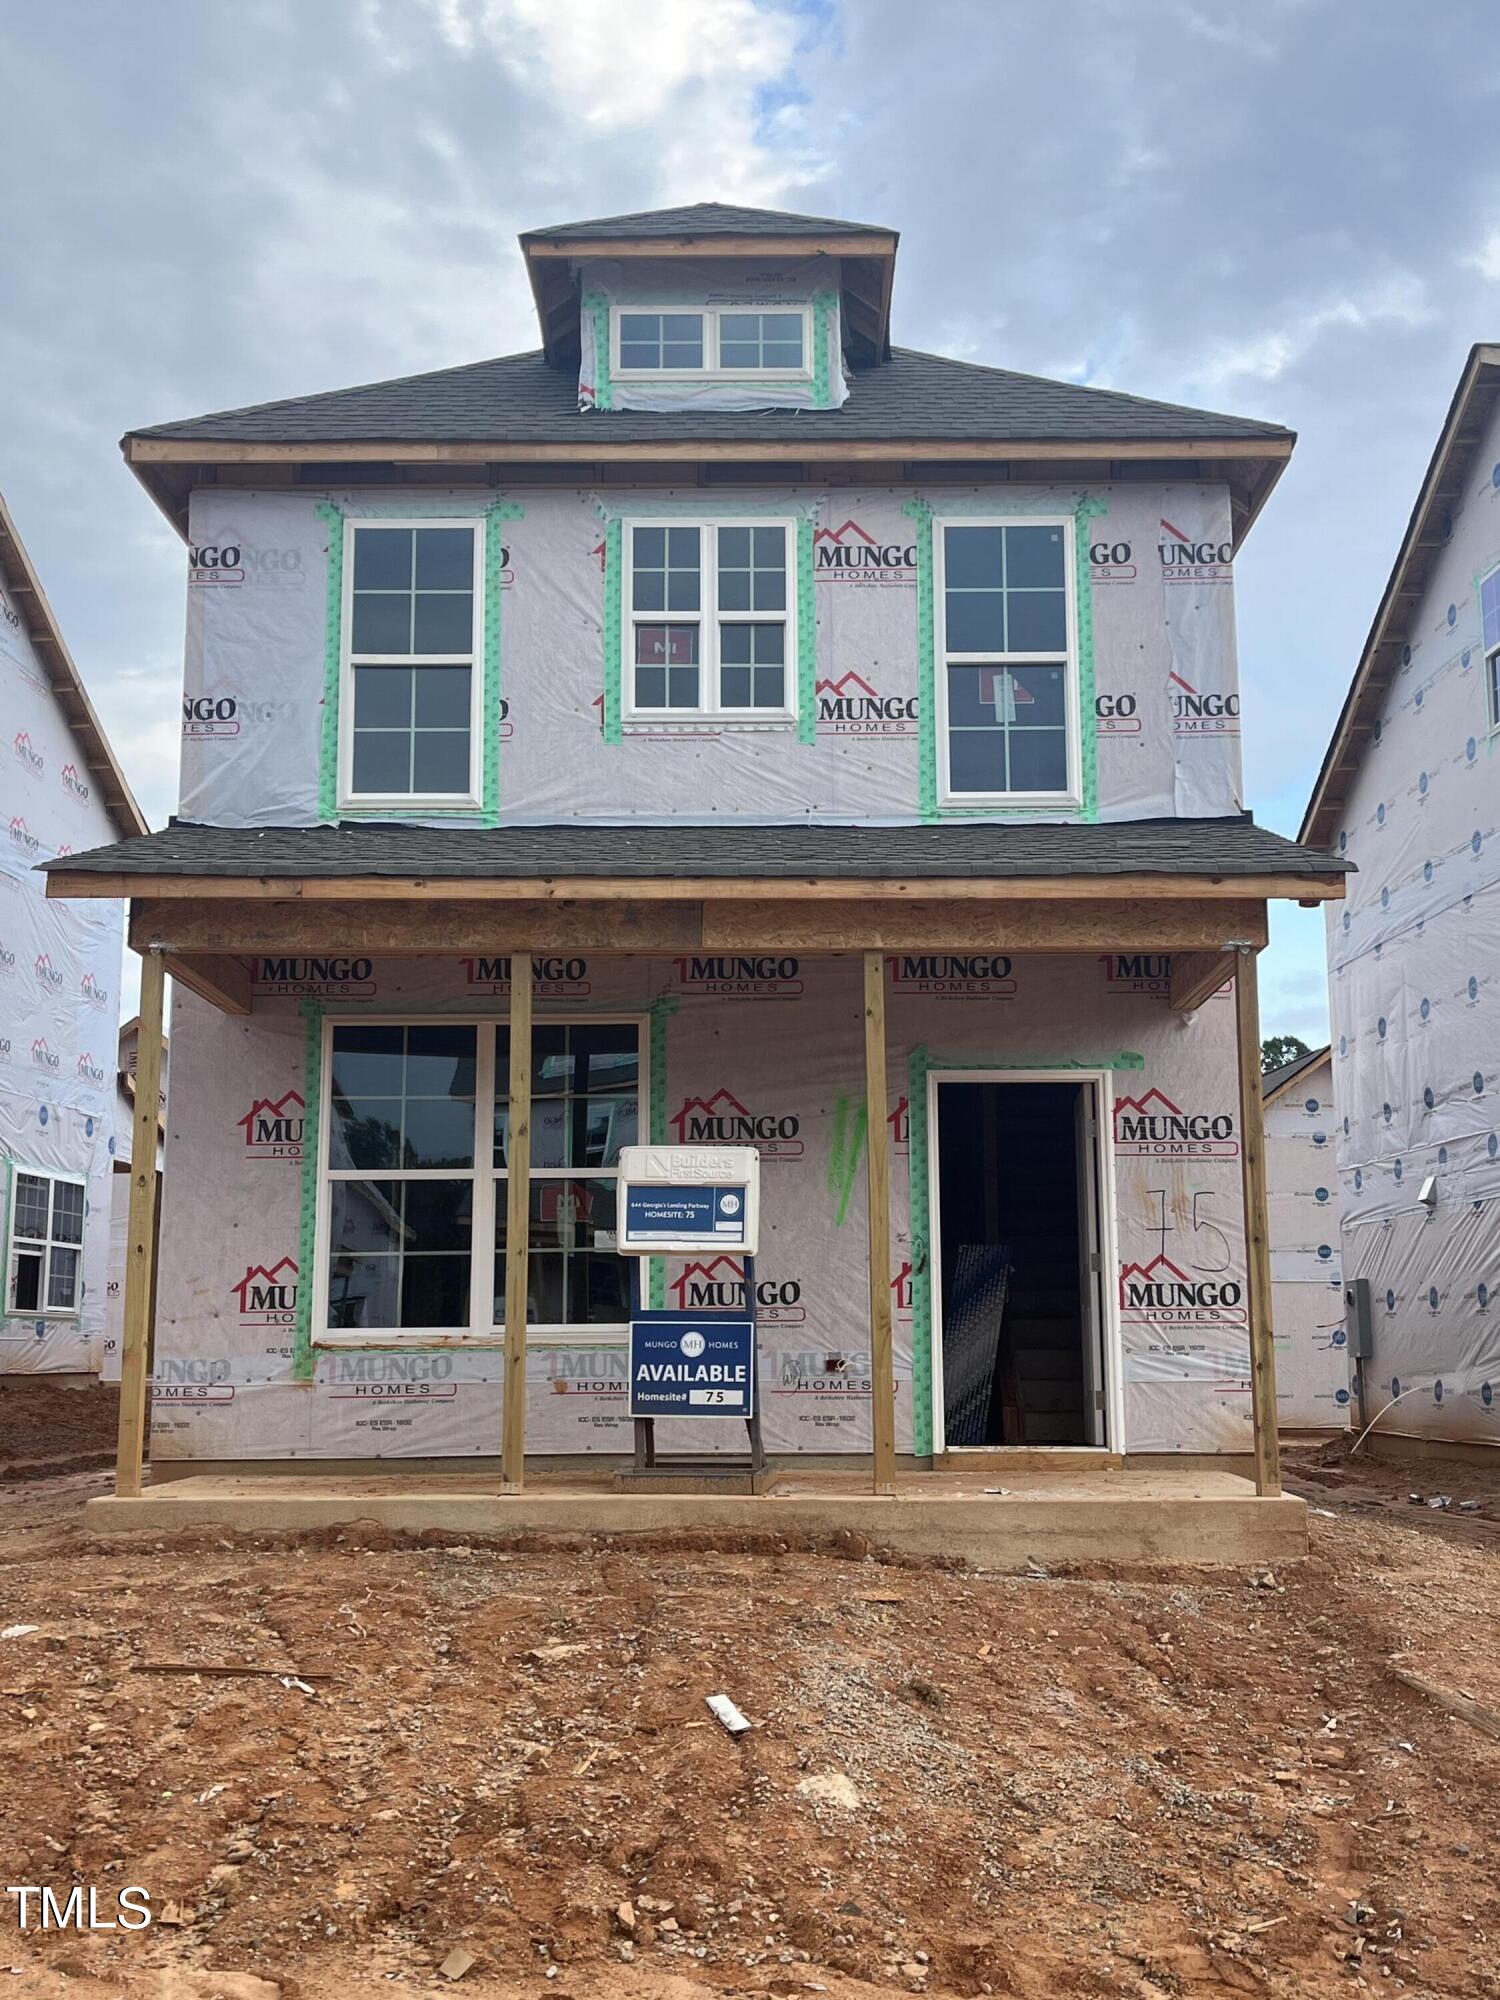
(213, 909)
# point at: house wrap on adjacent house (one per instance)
(763, 695)
(1410, 792)
(60, 963)
(1307, 1288)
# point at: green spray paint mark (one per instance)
(328, 745)
(596, 315)
(614, 536)
(927, 787)
(496, 514)
(807, 638)
(844, 1150)
(662, 1011)
(824, 306)
(307, 1240)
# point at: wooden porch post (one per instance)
(1257, 1234)
(140, 1301)
(877, 1156)
(517, 1227)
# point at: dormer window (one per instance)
(713, 345)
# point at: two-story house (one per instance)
(1408, 791)
(60, 965)
(716, 726)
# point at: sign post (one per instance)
(680, 1200)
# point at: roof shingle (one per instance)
(706, 218)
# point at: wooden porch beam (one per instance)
(223, 982)
(1257, 1230)
(1196, 976)
(517, 1239)
(461, 929)
(878, 1189)
(140, 1289)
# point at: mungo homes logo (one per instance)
(216, 563)
(821, 1372)
(551, 978)
(90, 1071)
(1111, 562)
(390, 1378)
(851, 706)
(93, 991)
(761, 976)
(273, 1127)
(721, 1120)
(1117, 715)
(72, 783)
(720, 1282)
(191, 1378)
(1154, 1128)
(337, 977)
(1186, 559)
(267, 1294)
(22, 839)
(850, 554)
(27, 755)
(47, 975)
(1136, 972)
(1196, 713)
(1159, 1294)
(44, 1057)
(956, 975)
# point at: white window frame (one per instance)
(15, 1243)
(711, 371)
(1491, 656)
(473, 660)
(708, 618)
(485, 1328)
(1072, 797)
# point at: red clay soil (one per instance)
(1196, 1782)
(46, 1427)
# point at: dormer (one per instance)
(712, 307)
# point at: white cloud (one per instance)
(1400, 300)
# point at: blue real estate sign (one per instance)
(668, 1214)
(686, 1364)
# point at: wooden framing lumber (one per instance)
(462, 928)
(1257, 1231)
(223, 982)
(517, 1236)
(1197, 975)
(878, 1187)
(140, 1259)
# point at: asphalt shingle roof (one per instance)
(1288, 1072)
(520, 399)
(708, 218)
(1213, 848)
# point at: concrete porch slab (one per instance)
(1115, 1516)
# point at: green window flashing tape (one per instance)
(614, 636)
(596, 313)
(824, 306)
(307, 1239)
(1084, 511)
(662, 1011)
(807, 637)
(496, 515)
(328, 743)
(919, 1064)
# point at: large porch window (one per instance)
(412, 1210)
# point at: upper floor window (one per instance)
(46, 1244)
(411, 695)
(713, 343)
(709, 631)
(1489, 608)
(1007, 687)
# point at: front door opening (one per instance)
(1018, 1233)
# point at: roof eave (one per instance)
(1468, 415)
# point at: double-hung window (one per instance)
(716, 342)
(412, 1215)
(1008, 664)
(46, 1244)
(413, 598)
(1489, 608)
(709, 628)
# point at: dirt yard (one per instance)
(1151, 1784)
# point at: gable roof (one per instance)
(1275, 1081)
(705, 218)
(24, 586)
(908, 401)
(1447, 473)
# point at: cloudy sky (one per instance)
(1284, 208)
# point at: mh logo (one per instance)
(1153, 1127)
(273, 1127)
(721, 1120)
(268, 1294)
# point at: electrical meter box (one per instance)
(680, 1200)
